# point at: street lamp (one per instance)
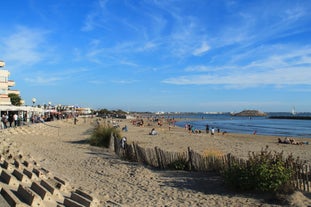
(50, 110)
(33, 101)
(33, 104)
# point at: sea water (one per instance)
(249, 125)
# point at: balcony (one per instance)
(11, 83)
(14, 92)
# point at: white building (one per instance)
(6, 106)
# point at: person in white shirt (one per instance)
(15, 119)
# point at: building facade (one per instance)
(6, 107)
(5, 84)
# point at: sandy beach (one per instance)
(60, 147)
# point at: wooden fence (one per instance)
(194, 161)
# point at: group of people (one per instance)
(193, 130)
(8, 120)
(290, 141)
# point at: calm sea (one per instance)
(247, 125)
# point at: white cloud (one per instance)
(240, 105)
(55, 77)
(25, 46)
(202, 68)
(283, 76)
(43, 80)
(201, 50)
(124, 81)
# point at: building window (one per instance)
(3, 91)
(3, 79)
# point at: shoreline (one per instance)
(258, 129)
(178, 139)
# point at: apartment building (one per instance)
(6, 107)
(5, 85)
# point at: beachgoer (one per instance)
(213, 131)
(153, 132)
(123, 142)
(15, 118)
(192, 129)
(207, 129)
(286, 141)
(4, 120)
(11, 119)
(292, 141)
(159, 123)
(124, 129)
(280, 141)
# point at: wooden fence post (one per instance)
(190, 159)
(158, 157)
(135, 152)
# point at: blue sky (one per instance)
(152, 55)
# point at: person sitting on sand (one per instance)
(124, 129)
(286, 141)
(153, 132)
(292, 141)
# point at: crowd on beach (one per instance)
(149, 121)
(15, 120)
(171, 122)
(290, 141)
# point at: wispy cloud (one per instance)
(43, 80)
(160, 28)
(94, 18)
(25, 46)
(287, 76)
(124, 81)
(56, 77)
(240, 105)
(202, 49)
(290, 67)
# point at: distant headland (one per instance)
(250, 113)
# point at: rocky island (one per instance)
(250, 113)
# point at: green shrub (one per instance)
(101, 135)
(264, 172)
(179, 164)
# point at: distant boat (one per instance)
(293, 111)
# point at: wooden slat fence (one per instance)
(161, 159)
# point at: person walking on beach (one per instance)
(11, 119)
(207, 129)
(4, 120)
(15, 118)
(213, 131)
